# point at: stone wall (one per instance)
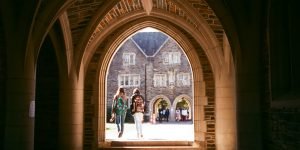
(146, 66)
(282, 108)
(284, 128)
(183, 67)
(2, 83)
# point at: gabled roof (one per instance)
(149, 42)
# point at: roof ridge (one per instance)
(149, 42)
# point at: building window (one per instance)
(171, 58)
(128, 59)
(160, 80)
(129, 80)
(183, 79)
(171, 75)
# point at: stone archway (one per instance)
(153, 105)
(189, 100)
(204, 90)
(93, 69)
(202, 67)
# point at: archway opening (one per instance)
(156, 64)
(183, 110)
(45, 108)
(203, 81)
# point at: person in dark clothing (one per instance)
(160, 114)
(167, 114)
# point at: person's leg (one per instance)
(138, 122)
(118, 120)
(159, 117)
(141, 115)
(122, 121)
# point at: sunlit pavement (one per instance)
(165, 131)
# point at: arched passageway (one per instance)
(204, 79)
(158, 103)
(47, 96)
(211, 62)
(183, 102)
(86, 59)
(228, 115)
(200, 100)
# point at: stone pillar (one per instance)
(225, 113)
(148, 81)
(71, 113)
(200, 100)
(19, 127)
(20, 77)
(226, 128)
(172, 113)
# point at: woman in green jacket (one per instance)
(119, 109)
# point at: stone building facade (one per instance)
(154, 63)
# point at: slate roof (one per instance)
(149, 42)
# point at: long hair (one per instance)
(120, 90)
(136, 91)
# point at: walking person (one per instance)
(164, 114)
(167, 113)
(184, 114)
(119, 109)
(138, 109)
(160, 114)
(177, 114)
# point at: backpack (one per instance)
(132, 111)
(131, 108)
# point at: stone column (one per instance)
(226, 128)
(71, 113)
(225, 113)
(200, 100)
(19, 125)
(148, 81)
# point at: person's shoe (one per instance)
(120, 134)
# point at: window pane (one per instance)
(128, 59)
(129, 80)
(126, 80)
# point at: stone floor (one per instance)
(165, 131)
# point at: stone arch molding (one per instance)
(203, 36)
(201, 99)
(198, 28)
(189, 101)
(153, 100)
(190, 52)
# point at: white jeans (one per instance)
(138, 119)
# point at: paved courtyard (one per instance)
(165, 131)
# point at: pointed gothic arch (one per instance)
(154, 102)
(201, 98)
(190, 102)
(206, 73)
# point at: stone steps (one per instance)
(155, 148)
(153, 145)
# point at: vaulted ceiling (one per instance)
(87, 18)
